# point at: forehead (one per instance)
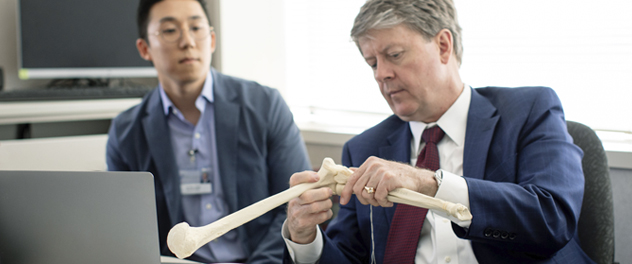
(178, 10)
(378, 40)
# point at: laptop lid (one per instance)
(77, 217)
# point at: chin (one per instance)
(192, 75)
(402, 111)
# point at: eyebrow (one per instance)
(171, 19)
(383, 51)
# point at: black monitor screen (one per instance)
(75, 38)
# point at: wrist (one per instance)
(305, 238)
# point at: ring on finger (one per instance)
(369, 190)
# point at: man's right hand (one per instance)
(307, 211)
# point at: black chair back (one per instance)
(596, 221)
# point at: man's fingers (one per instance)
(315, 195)
(307, 211)
(353, 186)
(347, 191)
(381, 194)
(303, 177)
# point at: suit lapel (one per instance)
(157, 130)
(227, 112)
(398, 149)
(481, 119)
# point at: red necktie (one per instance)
(403, 237)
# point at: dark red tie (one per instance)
(403, 237)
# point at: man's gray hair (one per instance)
(427, 17)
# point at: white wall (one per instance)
(252, 37)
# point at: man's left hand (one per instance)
(382, 176)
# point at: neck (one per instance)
(183, 96)
(453, 87)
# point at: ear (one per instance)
(143, 49)
(212, 41)
(444, 41)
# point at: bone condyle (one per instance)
(183, 239)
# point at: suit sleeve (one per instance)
(114, 159)
(286, 155)
(530, 202)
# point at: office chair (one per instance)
(596, 221)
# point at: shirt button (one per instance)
(209, 206)
(448, 259)
(197, 135)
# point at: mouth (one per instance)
(391, 93)
(188, 60)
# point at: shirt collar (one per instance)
(453, 122)
(200, 102)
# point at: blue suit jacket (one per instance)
(523, 173)
(259, 147)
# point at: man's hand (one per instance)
(384, 176)
(311, 208)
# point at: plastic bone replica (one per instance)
(183, 240)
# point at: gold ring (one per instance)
(369, 190)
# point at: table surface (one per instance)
(59, 111)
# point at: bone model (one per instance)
(183, 240)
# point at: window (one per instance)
(581, 49)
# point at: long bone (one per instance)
(183, 239)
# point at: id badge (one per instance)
(192, 183)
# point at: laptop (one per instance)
(93, 217)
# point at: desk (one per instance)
(170, 260)
(59, 111)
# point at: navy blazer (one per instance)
(524, 177)
(259, 147)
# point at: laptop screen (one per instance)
(77, 217)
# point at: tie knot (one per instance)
(432, 135)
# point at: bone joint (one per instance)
(183, 239)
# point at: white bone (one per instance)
(183, 240)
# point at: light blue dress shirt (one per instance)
(195, 151)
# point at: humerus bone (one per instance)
(183, 240)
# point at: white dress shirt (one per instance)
(437, 244)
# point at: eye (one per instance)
(169, 31)
(396, 55)
(372, 63)
(195, 28)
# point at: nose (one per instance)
(186, 39)
(383, 71)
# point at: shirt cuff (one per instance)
(454, 189)
(303, 253)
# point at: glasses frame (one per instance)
(180, 29)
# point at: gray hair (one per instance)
(427, 17)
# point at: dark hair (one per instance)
(142, 15)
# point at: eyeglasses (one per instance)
(171, 32)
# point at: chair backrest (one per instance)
(596, 221)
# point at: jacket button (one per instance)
(512, 236)
(496, 234)
(504, 235)
(488, 232)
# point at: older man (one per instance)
(503, 153)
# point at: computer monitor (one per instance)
(64, 39)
